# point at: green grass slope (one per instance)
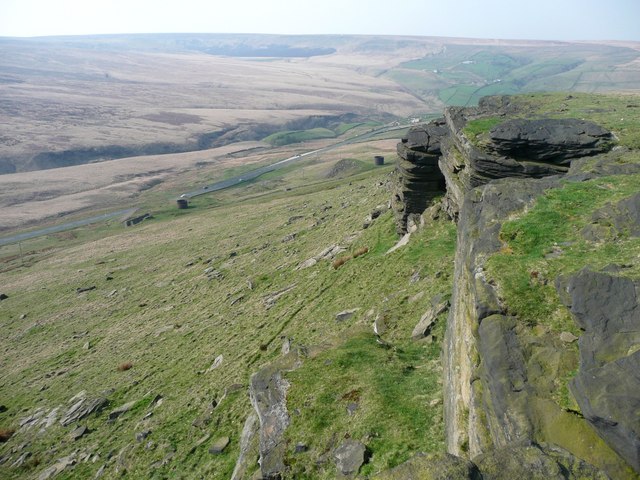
(174, 294)
(462, 74)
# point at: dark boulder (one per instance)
(549, 139)
(419, 177)
(469, 161)
(426, 138)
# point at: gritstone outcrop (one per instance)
(498, 376)
(444, 155)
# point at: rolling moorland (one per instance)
(159, 327)
(82, 101)
(139, 352)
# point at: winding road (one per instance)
(229, 182)
(65, 226)
(247, 176)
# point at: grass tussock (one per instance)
(338, 262)
(361, 251)
(6, 434)
(123, 367)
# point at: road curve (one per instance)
(65, 226)
(245, 177)
(230, 182)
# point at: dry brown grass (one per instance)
(201, 93)
(6, 434)
(81, 112)
(361, 251)
(338, 262)
(123, 367)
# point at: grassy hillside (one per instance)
(462, 74)
(176, 293)
(171, 318)
(73, 100)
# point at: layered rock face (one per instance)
(607, 386)
(498, 374)
(548, 140)
(420, 178)
(445, 151)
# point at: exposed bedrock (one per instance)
(607, 386)
(501, 377)
(268, 394)
(446, 155)
(420, 178)
(549, 140)
(485, 385)
(511, 149)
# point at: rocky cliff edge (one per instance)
(542, 346)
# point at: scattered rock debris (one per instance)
(346, 314)
(85, 289)
(219, 445)
(349, 457)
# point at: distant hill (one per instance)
(73, 100)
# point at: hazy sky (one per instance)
(512, 19)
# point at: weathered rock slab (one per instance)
(549, 139)
(427, 320)
(81, 409)
(608, 381)
(349, 457)
(268, 391)
(439, 466)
